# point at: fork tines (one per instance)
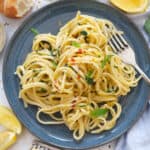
(116, 41)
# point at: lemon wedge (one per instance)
(9, 121)
(131, 6)
(7, 138)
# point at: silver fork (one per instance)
(120, 46)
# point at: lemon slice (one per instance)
(9, 121)
(131, 6)
(7, 138)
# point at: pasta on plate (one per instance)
(75, 78)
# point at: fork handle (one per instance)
(146, 78)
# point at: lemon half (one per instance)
(131, 6)
(9, 121)
(7, 138)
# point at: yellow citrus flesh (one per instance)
(9, 121)
(131, 6)
(7, 138)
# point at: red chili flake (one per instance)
(72, 59)
(80, 51)
(78, 77)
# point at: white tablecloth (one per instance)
(137, 137)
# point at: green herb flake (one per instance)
(35, 31)
(106, 60)
(98, 112)
(76, 44)
(36, 72)
(110, 90)
(42, 90)
(88, 77)
(147, 26)
(89, 73)
(89, 80)
(54, 64)
(99, 55)
(84, 33)
(116, 67)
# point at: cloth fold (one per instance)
(138, 137)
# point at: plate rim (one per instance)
(27, 19)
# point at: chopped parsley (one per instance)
(54, 64)
(88, 78)
(99, 55)
(89, 73)
(110, 90)
(98, 112)
(116, 67)
(34, 31)
(84, 33)
(36, 72)
(106, 60)
(42, 90)
(76, 44)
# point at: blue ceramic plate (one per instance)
(48, 20)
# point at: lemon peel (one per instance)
(131, 6)
(7, 138)
(9, 121)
